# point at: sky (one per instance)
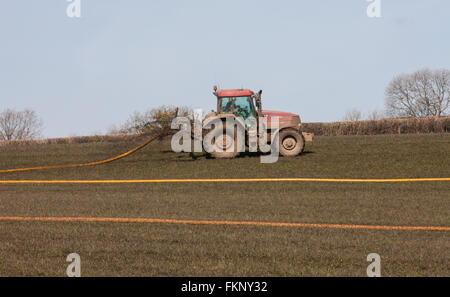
(317, 58)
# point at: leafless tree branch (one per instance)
(20, 125)
(423, 93)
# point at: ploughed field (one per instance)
(157, 249)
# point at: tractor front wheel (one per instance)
(292, 142)
(225, 146)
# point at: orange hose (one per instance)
(226, 180)
(234, 223)
(85, 164)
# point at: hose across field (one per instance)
(151, 139)
(226, 223)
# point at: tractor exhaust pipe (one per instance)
(258, 102)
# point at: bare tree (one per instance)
(423, 93)
(153, 120)
(352, 115)
(375, 115)
(20, 125)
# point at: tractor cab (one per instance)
(242, 103)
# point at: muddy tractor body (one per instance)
(244, 107)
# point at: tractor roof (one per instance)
(234, 93)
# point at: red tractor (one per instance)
(243, 104)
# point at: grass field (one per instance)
(140, 249)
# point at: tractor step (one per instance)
(308, 136)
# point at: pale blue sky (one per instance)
(317, 58)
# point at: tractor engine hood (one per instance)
(275, 113)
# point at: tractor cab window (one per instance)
(239, 106)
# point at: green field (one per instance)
(142, 249)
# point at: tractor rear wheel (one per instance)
(292, 142)
(226, 141)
